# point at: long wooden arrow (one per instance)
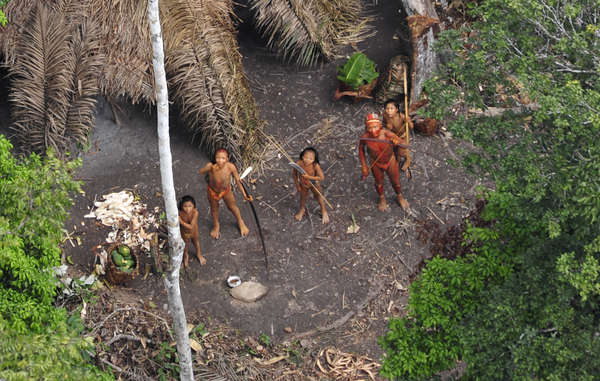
(303, 172)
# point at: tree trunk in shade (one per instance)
(423, 23)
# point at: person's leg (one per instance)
(185, 253)
(196, 243)
(394, 175)
(321, 201)
(378, 176)
(232, 206)
(303, 197)
(215, 232)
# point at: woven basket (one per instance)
(392, 85)
(116, 276)
(427, 126)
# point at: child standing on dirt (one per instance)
(188, 224)
(309, 162)
(396, 121)
(219, 187)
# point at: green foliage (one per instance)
(357, 71)
(198, 331)
(166, 359)
(428, 340)
(534, 315)
(58, 354)
(34, 197)
(264, 339)
(527, 331)
(3, 19)
(39, 341)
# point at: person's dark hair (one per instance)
(392, 101)
(313, 151)
(185, 199)
(214, 159)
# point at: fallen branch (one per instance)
(435, 215)
(132, 375)
(341, 321)
(98, 326)
(128, 337)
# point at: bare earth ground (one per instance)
(319, 275)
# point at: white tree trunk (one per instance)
(425, 60)
(176, 244)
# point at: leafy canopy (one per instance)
(34, 197)
(522, 84)
(38, 341)
(3, 19)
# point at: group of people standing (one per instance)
(385, 142)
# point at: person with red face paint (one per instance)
(379, 144)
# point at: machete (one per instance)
(303, 172)
(262, 240)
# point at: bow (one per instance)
(262, 240)
(303, 172)
(383, 141)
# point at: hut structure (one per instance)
(61, 54)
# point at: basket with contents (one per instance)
(123, 264)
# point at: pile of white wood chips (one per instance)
(130, 220)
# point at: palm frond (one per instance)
(303, 31)
(207, 80)
(125, 43)
(347, 23)
(86, 66)
(292, 28)
(40, 89)
(17, 12)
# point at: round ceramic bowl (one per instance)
(233, 281)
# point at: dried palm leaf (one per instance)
(293, 28)
(40, 92)
(125, 43)
(85, 66)
(305, 30)
(206, 78)
(203, 62)
(346, 23)
(17, 13)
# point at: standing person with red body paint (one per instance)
(379, 144)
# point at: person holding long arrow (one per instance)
(304, 171)
(399, 124)
(379, 144)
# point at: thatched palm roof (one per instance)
(42, 46)
(206, 77)
(62, 53)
